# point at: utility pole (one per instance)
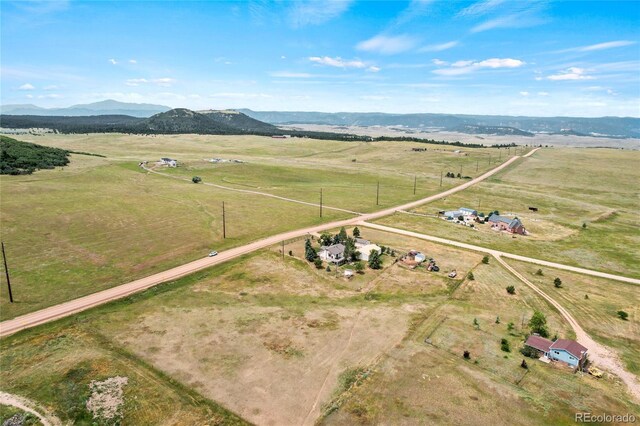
(320, 202)
(6, 271)
(378, 194)
(415, 179)
(224, 222)
(441, 178)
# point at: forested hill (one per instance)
(20, 158)
(179, 120)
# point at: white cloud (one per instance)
(480, 8)
(133, 61)
(438, 47)
(316, 12)
(337, 62)
(524, 93)
(543, 93)
(466, 67)
(113, 61)
(387, 45)
(440, 63)
(572, 73)
(373, 68)
(27, 86)
(515, 14)
(599, 46)
(29, 96)
(287, 74)
(163, 82)
(50, 96)
(283, 57)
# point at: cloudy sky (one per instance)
(485, 57)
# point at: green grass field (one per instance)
(570, 187)
(103, 221)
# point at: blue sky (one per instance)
(487, 57)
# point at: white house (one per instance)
(365, 251)
(468, 212)
(333, 253)
(168, 162)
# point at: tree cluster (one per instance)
(20, 158)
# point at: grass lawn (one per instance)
(570, 187)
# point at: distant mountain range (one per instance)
(108, 107)
(112, 114)
(616, 127)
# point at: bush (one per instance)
(498, 319)
(510, 326)
(318, 262)
(539, 272)
(328, 268)
(485, 260)
(196, 179)
(530, 352)
(476, 324)
(538, 324)
(359, 267)
(511, 289)
(557, 282)
(290, 253)
(623, 315)
(466, 355)
(504, 345)
(470, 276)
(524, 365)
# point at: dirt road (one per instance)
(29, 406)
(497, 253)
(78, 305)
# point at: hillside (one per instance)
(23, 158)
(614, 127)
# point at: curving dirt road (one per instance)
(29, 406)
(78, 305)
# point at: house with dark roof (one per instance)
(333, 253)
(564, 350)
(168, 162)
(501, 223)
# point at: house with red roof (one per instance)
(564, 350)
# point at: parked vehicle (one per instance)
(213, 253)
(452, 274)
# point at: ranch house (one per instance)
(570, 352)
(501, 223)
(333, 253)
(168, 162)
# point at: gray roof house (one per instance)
(361, 242)
(468, 212)
(333, 253)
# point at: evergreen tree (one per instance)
(356, 232)
(374, 260)
(309, 252)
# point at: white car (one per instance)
(213, 253)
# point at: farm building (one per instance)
(168, 162)
(513, 226)
(453, 214)
(468, 212)
(361, 242)
(570, 352)
(333, 253)
(462, 211)
(365, 251)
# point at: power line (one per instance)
(6, 271)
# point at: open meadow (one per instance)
(101, 222)
(587, 204)
(278, 341)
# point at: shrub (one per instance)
(538, 324)
(510, 326)
(318, 262)
(290, 253)
(485, 260)
(504, 345)
(328, 268)
(470, 276)
(524, 365)
(511, 289)
(539, 272)
(359, 267)
(557, 282)
(476, 324)
(498, 319)
(466, 355)
(623, 315)
(196, 179)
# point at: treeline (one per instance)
(22, 158)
